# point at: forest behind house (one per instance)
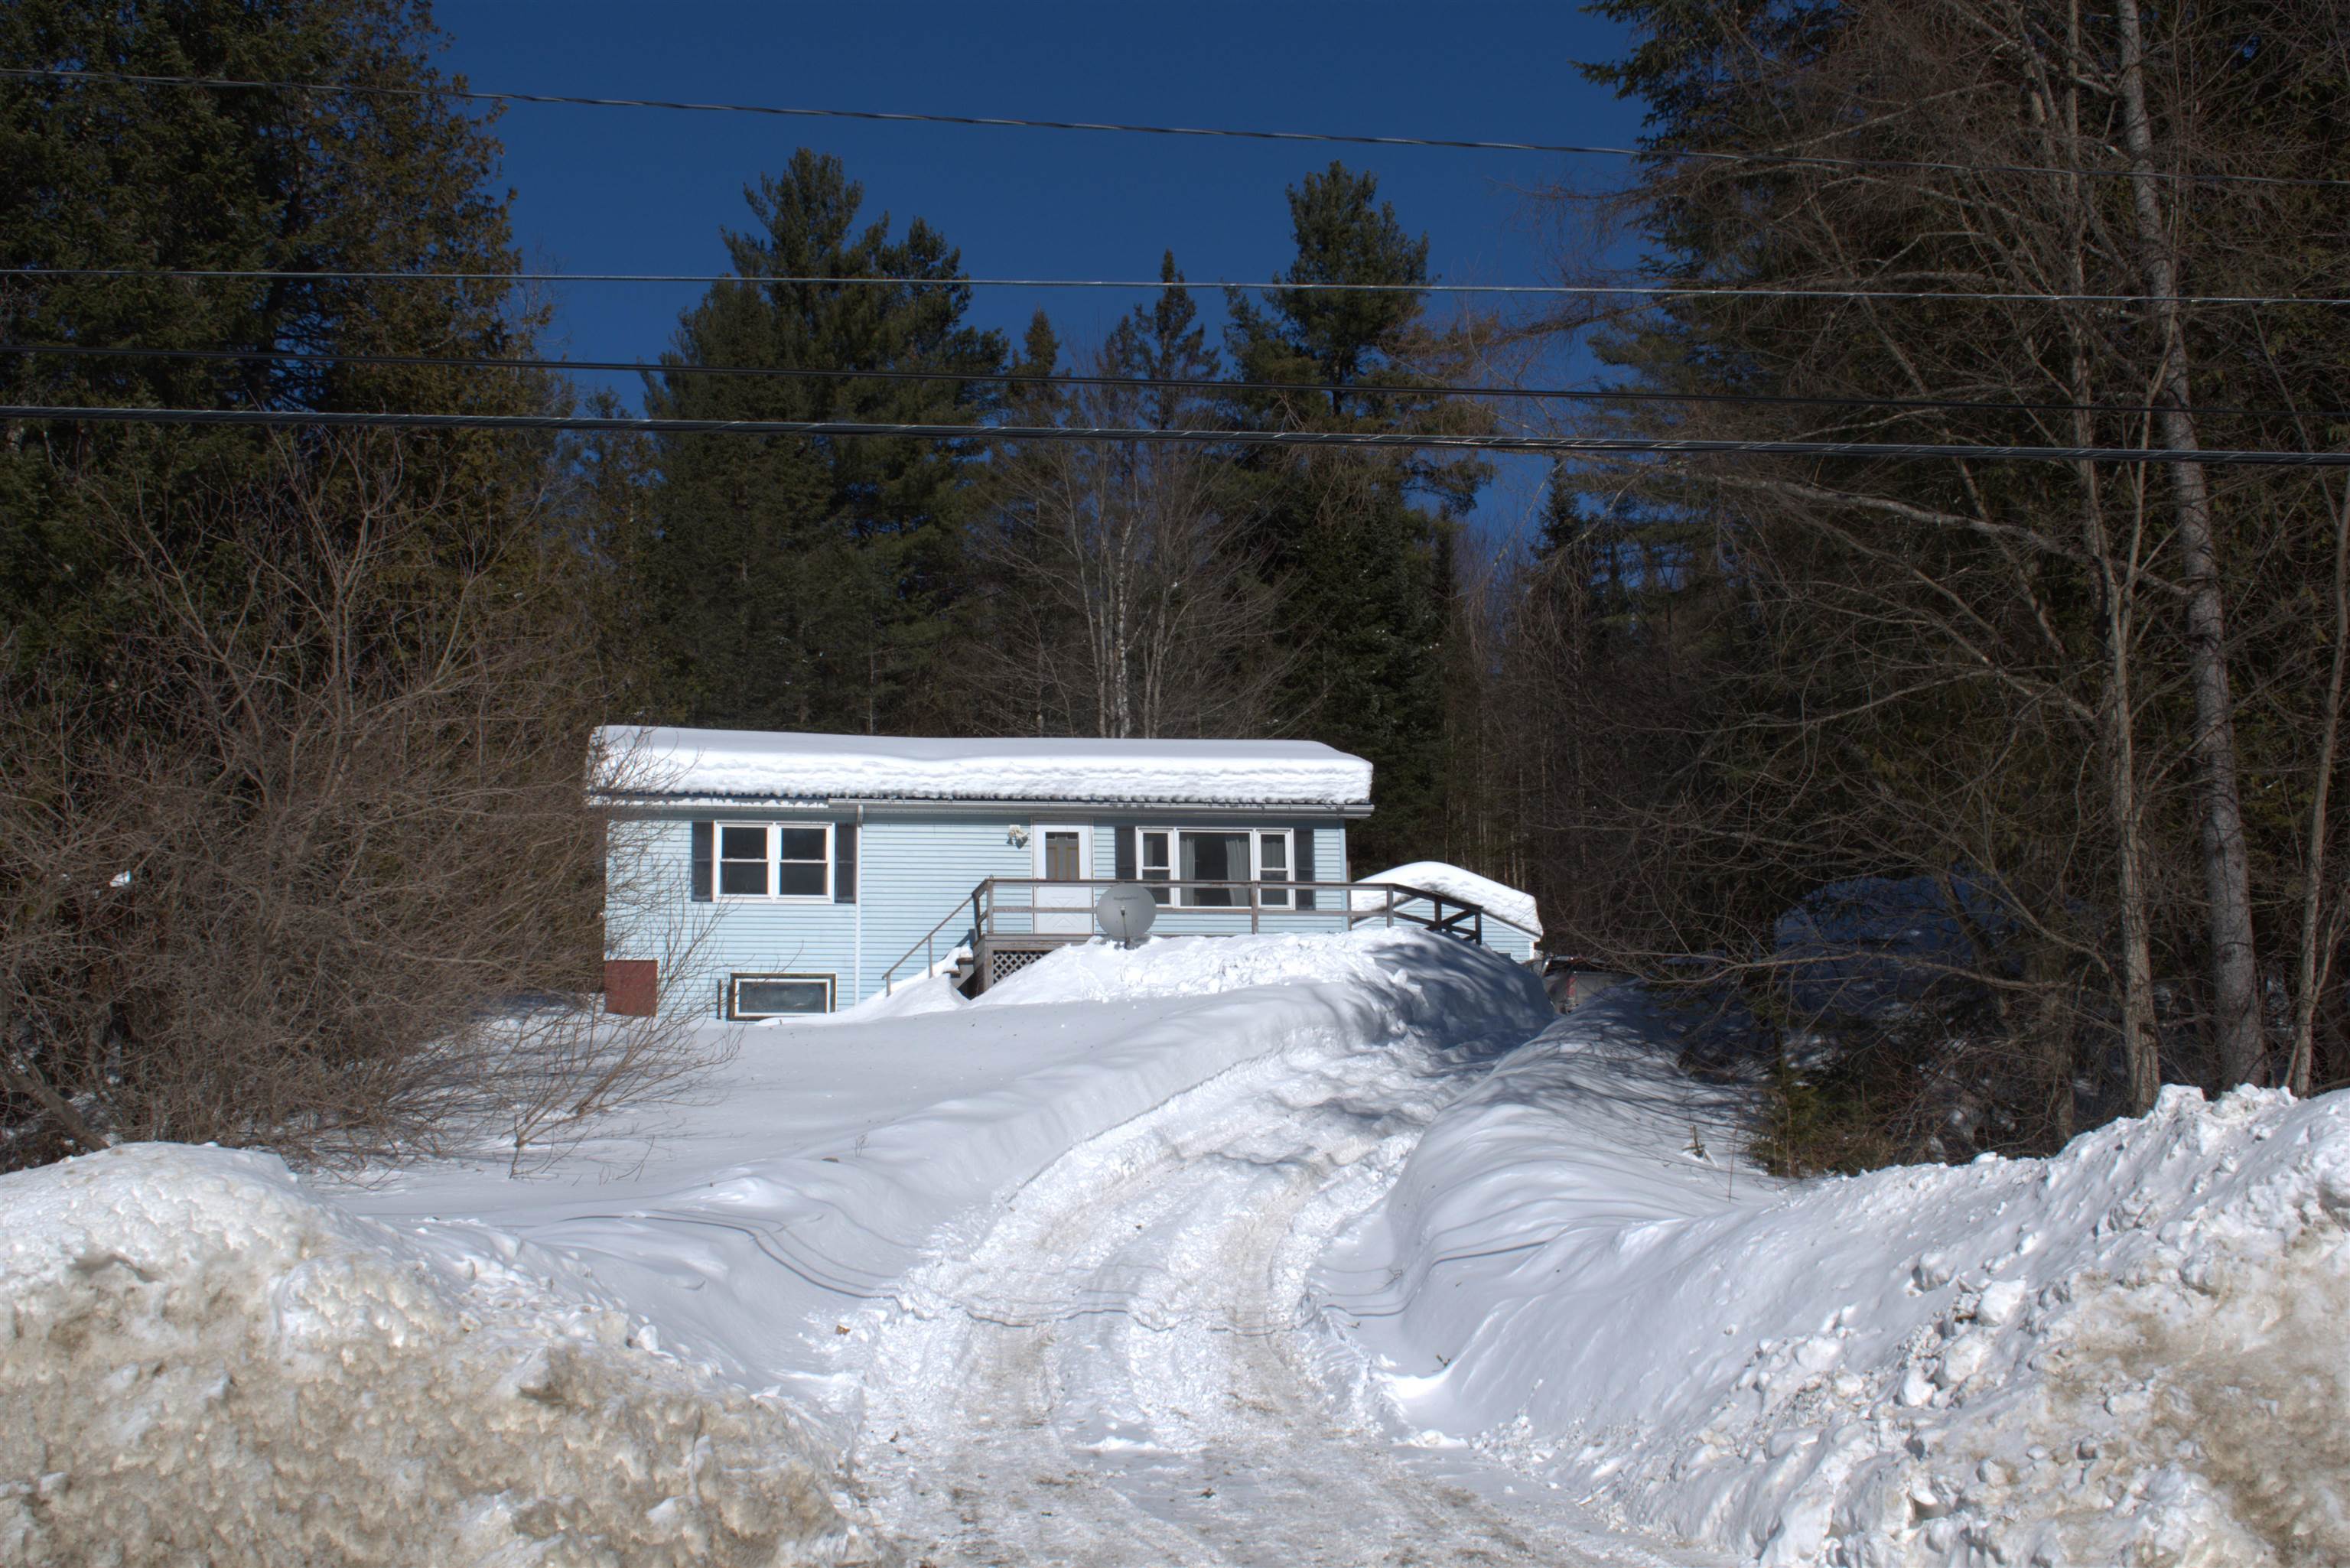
(295, 719)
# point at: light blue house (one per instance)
(754, 874)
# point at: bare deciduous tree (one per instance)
(1120, 601)
(315, 868)
(2108, 694)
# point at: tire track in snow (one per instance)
(1118, 1369)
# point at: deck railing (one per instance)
(1010, 907)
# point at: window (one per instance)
(803, 862)
(774, 860)
(1064, 859)
(1272, 866)
(742, 862)
(1156, 860)
(1214, 857)
(778, 995)
(1219, 854)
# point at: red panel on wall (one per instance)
(631, 986)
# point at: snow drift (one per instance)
(200, 1361)
(1405, 969)
(2133, 1352)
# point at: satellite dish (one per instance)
(1125, 913)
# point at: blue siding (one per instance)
(1509, 940)
(915, 868)
(924, 868)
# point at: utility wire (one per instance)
(1598, 291)
(283, 418)
(1171, 383)
(1779, 159)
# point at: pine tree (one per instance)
(1353, 538)
(1163, 341)
(324, 692)
(797, 583)
(108, 174)
(1032, 398)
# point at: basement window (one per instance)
(778, 995)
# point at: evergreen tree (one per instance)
(1164, 341)
(1353, 538)
(325, 694)
(797, 582)
(1032, 399)
(106, 174)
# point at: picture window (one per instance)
(1219, 854)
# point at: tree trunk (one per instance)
(2118, 738)
(2118, 710)
(2316, 928)
(2235, 978)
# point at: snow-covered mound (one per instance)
(1436, 876)
(202, 1362)
(2134, 1352)
(911, 999)
(1411, 962)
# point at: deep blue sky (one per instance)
(603, 189)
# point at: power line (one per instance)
(1778, 160)
(1555, 445)
(1171, 383)
(1575, 290)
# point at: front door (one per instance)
(1064, 852)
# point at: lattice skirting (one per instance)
(1003, 963)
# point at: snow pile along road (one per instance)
(847, 1203)
(1268, 1250)
(1116, 1364)
(202, 1362)
(2132, 1352)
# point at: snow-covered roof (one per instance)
(1436, 876)
(676, 764)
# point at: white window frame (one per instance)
(734, 990)
(1147, 870)
(774, 832)
(1288, 837)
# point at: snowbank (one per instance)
(1436, 876)
(2133, 1352)
(766, 764)
(929, 993)
(760, 1229)
(200, 1361)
